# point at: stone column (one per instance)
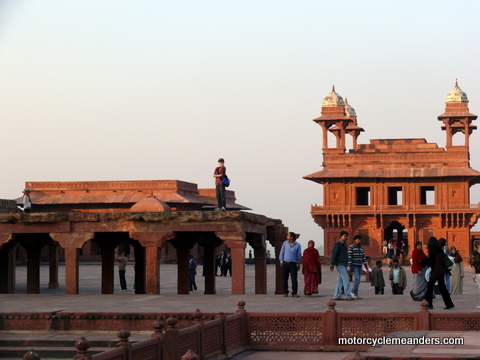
(33, 270)
(276, 235)
(108, 268)
(72, 243)
(238, 267)
(152, 242)
(260, 271)
(325, 136)
(7, 264)
(140, 270)
(209, 268)
(153, 270)
(236, 242)
(71, 270)
(53, 266)
(183, 256)
(209, 242)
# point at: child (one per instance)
(377, 278)
(398, 278)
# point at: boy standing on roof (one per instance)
(219, 174)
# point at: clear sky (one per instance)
(146, 90)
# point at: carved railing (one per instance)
(410, 208)
(226, 336)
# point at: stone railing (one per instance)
(367, 209)
(8, 206)
(228, 335)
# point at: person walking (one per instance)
(456, 279)
(436, 263)
(385, 248)
(443, 245)
(122, 261)
(339, 259)
(223, 263)
(418, 270)
(475, 263)
(229, 264)
(311, 269)
(290, 259)
(377, 279)
(356, 259)
(192, 271)
(219, 174)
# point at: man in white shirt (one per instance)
(27, 202)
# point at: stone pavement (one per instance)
(91, 300)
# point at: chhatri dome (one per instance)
(349, 111)
(333, 99)
(456, 95)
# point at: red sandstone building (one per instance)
(159, 220)
(396, 188)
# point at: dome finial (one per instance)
(456, 82)
(333, 88)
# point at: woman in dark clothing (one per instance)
(435, 261)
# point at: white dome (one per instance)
(456, 95)
(349, 111)
(333, 99)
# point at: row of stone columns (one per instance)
(147, 260)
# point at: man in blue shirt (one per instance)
(290, 259)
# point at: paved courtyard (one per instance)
(90, 298)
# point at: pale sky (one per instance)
(147, 90)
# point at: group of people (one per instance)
(395, 249)
(442, 267)
(224, 263)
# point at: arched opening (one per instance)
(397, 233)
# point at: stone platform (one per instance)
(90, 300)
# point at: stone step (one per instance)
(17, 352)
(59, 344)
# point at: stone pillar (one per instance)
(153, 270)
(7, 265)
(108, 268)
(72, 243)
(236, 242)
(260, 271)
(278, 269)
(71, 270)
(183, 256)
(276, 235)
(325, 136)
(53, 266)
(33, 270)
(140, 270)
(152, 243)
(209, 268)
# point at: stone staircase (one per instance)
(58, 344)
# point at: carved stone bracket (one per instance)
(5, 238)
(72, 240)
(152, 239)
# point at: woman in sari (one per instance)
(456, 279)
(419, 283)
(311, 269)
